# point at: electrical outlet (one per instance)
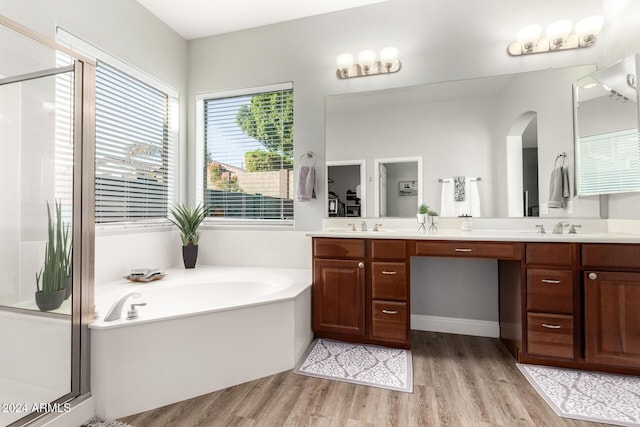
(544, 209)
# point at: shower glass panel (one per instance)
(36, 225)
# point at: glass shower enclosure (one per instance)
(46, 224)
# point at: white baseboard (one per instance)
(453, 325)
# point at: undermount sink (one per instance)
(349, 230)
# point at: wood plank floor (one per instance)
(458, 381)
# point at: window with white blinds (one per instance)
(134, 164)
(608, 163)
(247, 152)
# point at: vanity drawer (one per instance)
(389, 280)
(560, 254)
(550, 335)
(550, 290)
(338, 248)
(609, 255)
(506, 250)
(388, 249)
(389, 321)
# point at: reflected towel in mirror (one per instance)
(559, 190)
(470, 206)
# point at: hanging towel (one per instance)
(306, 184)
(470, 205)
(459, 190)
(559, 189)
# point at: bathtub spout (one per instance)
(115, 312)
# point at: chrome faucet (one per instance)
(363, 225)
(115, 312)
(557, 229)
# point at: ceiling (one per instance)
(193, 19)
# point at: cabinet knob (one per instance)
(593, 276)
(361, 264)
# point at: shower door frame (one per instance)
(83, 231)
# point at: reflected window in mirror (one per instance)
(606, 130)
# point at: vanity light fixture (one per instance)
(368, 63)
(558, 36)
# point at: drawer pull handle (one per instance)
(548, 326)
(389, 272)
(390, 311)
(463, 250)
(551, 281)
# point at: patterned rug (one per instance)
(589, 396)
(370, 365)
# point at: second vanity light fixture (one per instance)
(368, 64)
(558, 36)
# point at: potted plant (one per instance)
(423, 209)
(188, 220)
(49, 281)
(66, 245)
(432, 214)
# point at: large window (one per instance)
(133, 149)
(245, 144)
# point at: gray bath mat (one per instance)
(589, 396)
(97, 422)
(371, 365)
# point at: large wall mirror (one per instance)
(606, 135)
(500, 136)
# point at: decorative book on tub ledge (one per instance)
(145, 274)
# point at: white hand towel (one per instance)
(446, 200)
(473, 197)
(306, 184)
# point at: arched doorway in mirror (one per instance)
(522, 166)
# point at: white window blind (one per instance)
(608, 163)
(248, 155)
(134, 165)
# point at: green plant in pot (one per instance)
(188, 220)
(49, 281)
(423, 210)
(66, 245)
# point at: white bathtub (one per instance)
(201, 330)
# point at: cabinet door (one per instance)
(612, 318)
(338, 296)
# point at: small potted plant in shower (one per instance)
(50, 290)
(188, 221)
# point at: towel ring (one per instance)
(564, 156)
(309, 155)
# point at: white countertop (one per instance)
(481, 235)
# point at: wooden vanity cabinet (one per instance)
(361, 291)
(389, 306)
(612, 304)
(338, 291)
(551, 312)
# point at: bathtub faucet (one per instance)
(115, 311)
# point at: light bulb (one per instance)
(388, 57)
(557, 32)
(528, 36)
(588, 29)
(344, 61)
(366, 59)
